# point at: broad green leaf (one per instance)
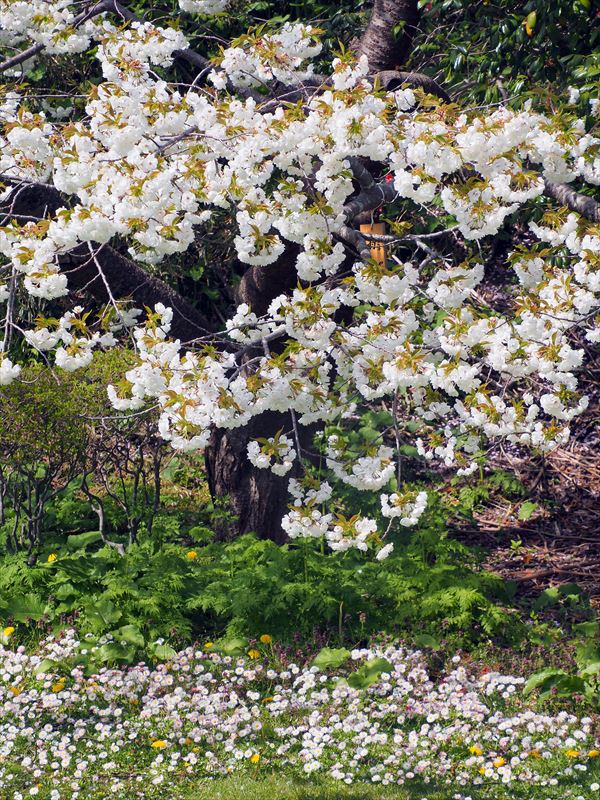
(587, 629)
(593, 668)
(163, 652)
(425, 640)
(26, 607)
(83, 540)
(113, 651)
(130, 634)
(329, 658)
(235, 646)
(65, 590)
(544, 679)
(369, 673)
(102, 614)
(47, 665)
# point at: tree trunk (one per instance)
(257, 498)
(388, 38)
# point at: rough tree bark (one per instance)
(388, 37)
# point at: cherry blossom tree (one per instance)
(331, 321)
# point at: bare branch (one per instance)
(392, 79)
(567, 196)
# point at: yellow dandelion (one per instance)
(160, 744)
(15, 690)
(8, 631)
(52, 557)
(594, 754)
(191, 555)
(535, 754)
(255, 758)
(475, 750)
(572, 753)
(482, 770)
(58, 686)
(188, 740)
(209, 645)
(499, 762)
(267, 699)
(253, 653)
(266, 639)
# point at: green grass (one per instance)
(269, 787)
(278, 788)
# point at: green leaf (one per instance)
(543, 680)
(329, 658)
(233, 647)
(113, 651)
(26, 607)
(163, 652)
(82, 540)
(587, 629)
(593, 668)
(130, 634)
(369, 673)
(526, 510)
(73, 568)
(425, 640)
(549, 597)
(102, 614)
(47, 665)
(65, 590)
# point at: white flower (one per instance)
(384, 552)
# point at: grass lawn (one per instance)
(279, 788)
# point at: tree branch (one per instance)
(108, 274)
(566, 196)
(392, 79)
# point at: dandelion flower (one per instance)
(255, 758)
(266, 639)
(191, 555)
(254, 653)
(52, 557)
(8, 631)
(160, 744)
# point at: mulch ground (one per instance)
(560, 542)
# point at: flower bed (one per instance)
(144, 731)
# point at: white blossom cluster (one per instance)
(206, 7)
(408, 507)
(151, 162)
(275, 453)
(47, 22)
(254, 60)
